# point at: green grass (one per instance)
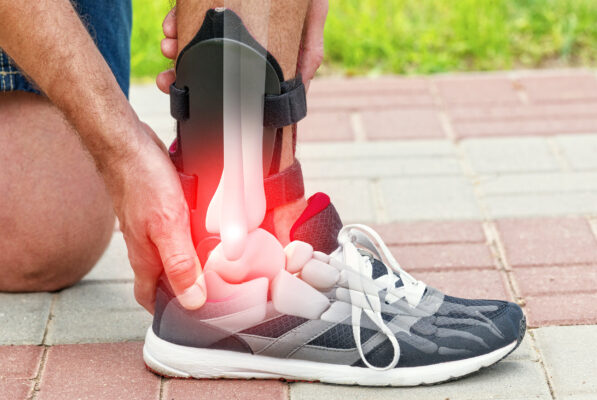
(426, 36)
(146, 57)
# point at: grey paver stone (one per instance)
(148, 100)
(492, 155)
(559, 182)
(542, 204)
(579, 150)
(164, 127)
(525, 351)
(570, 356)
(429, 198)
(114, 263)
(23, 317)
(578, 396)
(380, 167)
(506, 380)
(351, 197)
(153, 108)
(360, 150)
(97, 312)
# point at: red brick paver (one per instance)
(491, 112)
(485, 284)
(18, 366)
(562, 309)
(560, 88)
(225, 389)
(435, 245)
(355, 102)
(548, 241)
(554, 260)
(476, 90)
(359, 86)
(97, 371)
(369, 94)
(443, 256)
(15, 389)
(432, 232)
(19, 361)
(556, 280)
(402, 124)
(326, 126)
(524, 127)
(479, 105)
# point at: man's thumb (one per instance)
(183, 269)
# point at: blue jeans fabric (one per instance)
(109, 22)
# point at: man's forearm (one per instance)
(48, 41)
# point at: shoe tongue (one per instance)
(379, 270)
(318, 225)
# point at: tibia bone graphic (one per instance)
(222, 79)
(238, 205)
(225, 77)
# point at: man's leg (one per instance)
(286, 20)
(56, 217)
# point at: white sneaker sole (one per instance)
(173, 360)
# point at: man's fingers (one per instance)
(169, 24)
(169, 48)
(145, 293)
(147, 266)
(165, 79)
(312, 45)
(181, 265)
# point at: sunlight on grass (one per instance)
(146, 57)
(426, 36)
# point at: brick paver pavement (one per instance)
(484, 185)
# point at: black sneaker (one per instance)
(377, 325)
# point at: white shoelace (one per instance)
(412, 290)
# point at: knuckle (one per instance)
(139, 297)
(318, 55)
(141, 294)
(179, 265)
(160, 223)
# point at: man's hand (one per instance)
(310, 54)
(169, 47)
(50, 43)
(154, 219)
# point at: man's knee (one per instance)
(56, 216)
(56, 265)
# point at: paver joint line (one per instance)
(535, 347)
(510, 152)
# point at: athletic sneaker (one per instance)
(382, 327)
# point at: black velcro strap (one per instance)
(287, 108)
(280, 189)
(285, 186)
(179, 103)
(280, 110)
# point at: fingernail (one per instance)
(194, 297)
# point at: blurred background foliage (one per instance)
(424, 36)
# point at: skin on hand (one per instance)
(168, 222)
(48, 40)
(312, 49)
(310, 56)
(154, 219)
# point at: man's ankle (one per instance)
(285, 217)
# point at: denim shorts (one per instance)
(109, 23)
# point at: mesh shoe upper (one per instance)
(437, 329)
